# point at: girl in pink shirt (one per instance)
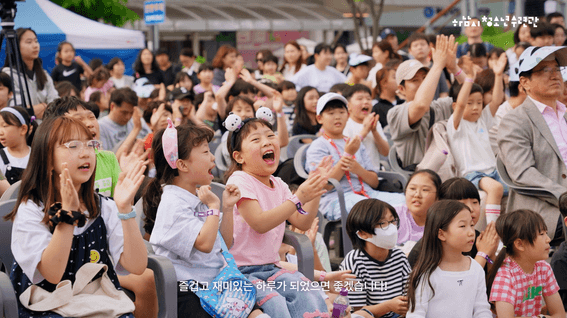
(260, 215)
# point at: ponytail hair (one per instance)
(189, 136)
(521, 224)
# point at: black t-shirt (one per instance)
(414, 254)
(70, 73)
(170, 73)
(155, 78)
(383, 107)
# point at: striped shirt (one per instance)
(378, 281)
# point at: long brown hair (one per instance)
(439, 216)
(40, 77)
(38, 179)
(299, 61)
(380, 76)
(221, 53)
(385, 46)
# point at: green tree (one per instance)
(114, 12)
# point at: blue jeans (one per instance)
(475, 177)
(285, 294)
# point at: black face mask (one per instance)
(289, 102)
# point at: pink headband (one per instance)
(169, 142)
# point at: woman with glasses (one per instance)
(421, 193)
(381, 270)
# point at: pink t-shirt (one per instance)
(251, 247)
(524, 291)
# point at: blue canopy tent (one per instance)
(91, 39)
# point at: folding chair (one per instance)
(11, 192)
(394, 164)
(296, 142)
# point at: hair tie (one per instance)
(32, 119)
(504, 246)
(169, 142)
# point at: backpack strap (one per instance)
(4, 157)
(431, 117)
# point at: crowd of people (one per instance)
(455, 242)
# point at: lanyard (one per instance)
(347, 173)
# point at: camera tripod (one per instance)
(13, 57)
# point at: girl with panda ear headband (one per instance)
(260, 214)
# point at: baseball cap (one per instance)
(386, 32)
(143, 87)
(356, 59)
(323, 100)
(181, 93)
(408, 69)
(531, 56)
(515, 72)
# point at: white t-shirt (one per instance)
(15, 162)
(175, 231)
(289, 71)
(470, 144)
(457, 295)
(30, 236)
(493, 132)
(321, 80)
(353, 128)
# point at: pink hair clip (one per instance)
(169, 142)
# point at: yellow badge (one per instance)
(95, 256)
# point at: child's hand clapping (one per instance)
(487, 241)
(369, 124)
(440, 52)
(208, 197)
(315, 183)
(352, 145)
(69, 196)
(230, 197)
(128, 184)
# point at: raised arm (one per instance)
(220, 96)
(464, 92)
(452, 61)
(247, 77)
(426, 91)
(498, 90)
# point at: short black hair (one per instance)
(563, 204)
(161, 51)
(418, 36)
(365, 216)
(187, 52)
(148, 112)
(270, 58)
(114, 61)
(239, 87)
(63, 105)
(456, 88)
(93, 107)
(6, 81)
(514, 88)
(285, 85)
(205, 67)
(478, 50)
(334, 104)
(322, 47)
(64, 88)
(553, 15)
(541, 29)
(458, 189)
(339, 88)
(339, 45)
(351, 90)
(124, 94)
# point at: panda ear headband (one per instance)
(234, 123)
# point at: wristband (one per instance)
(207, 213)
(485, 256)
(281, 114)
(459, 72)
(297, 203)
(367, 311)
(470, 80)
(322, 276)
(127, 216)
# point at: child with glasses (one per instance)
(381, 270)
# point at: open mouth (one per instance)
(85, 167)
(269, 156)
(365, 110)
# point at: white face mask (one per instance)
(386, 239)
